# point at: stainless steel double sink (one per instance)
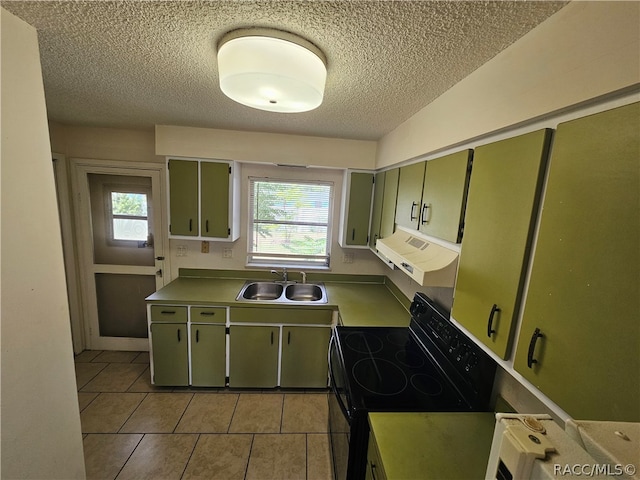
(281, 292)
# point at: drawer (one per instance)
(168, 313)
(208, 314)
(291, 315)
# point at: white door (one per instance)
(121, 251)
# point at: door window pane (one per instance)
(129, 216)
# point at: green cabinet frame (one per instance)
(503, 199)
(409, 198)
(253, 356)
(580, 336)
(356, 209)
(444, 195)
(304, 357)
(203, 199)
(169, 343)
(183, 197)
(208, 355)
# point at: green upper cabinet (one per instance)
(410, 195)
(204, 199)
(501, 209)
(444, 195)
(214, 197)
(580, 335)
(389, 201)
(376, 209)
(183, 197)
(357, 195)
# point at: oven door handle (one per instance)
(333, 386)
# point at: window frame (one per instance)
(262, 259)
(110, 217)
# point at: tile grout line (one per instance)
(193, 395)
(246, 468)
(235, 406)
(130, 455)
(184, 470)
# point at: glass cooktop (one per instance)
(388, 370)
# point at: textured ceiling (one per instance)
(134, 64)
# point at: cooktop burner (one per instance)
(363, 342)
(388, 370)
(379, 376)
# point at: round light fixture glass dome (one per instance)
(271, 70)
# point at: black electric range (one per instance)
(431, 366)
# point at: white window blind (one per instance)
(289, 222)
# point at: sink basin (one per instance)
(283, 293)
(262, 291)
(303, 292)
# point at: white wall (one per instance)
(40, 416)
(586, 50)
(265, 147)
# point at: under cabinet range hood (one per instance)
(424, 261)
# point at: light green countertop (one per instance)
(442, 446)
(359, 304)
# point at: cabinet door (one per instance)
(304, 357)
(444, 196)
(376, 209)
(183, 197)
(170, 353)
(583, 293)
(208, 355)
(501, 208)
(253, 356)
(214, 199)
(375, 469)
(389, 201)
(410, 195)
(356, 227)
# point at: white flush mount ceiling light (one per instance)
(271, 70)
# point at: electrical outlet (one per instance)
(204, 248)
(227, 253)
(181, 251)
(347, 258)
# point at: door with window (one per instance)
(121, 254)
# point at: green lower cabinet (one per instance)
(375, 469)
(304, 357)
(170, 354)
(580, 333)
(208, 355)
(253, 356)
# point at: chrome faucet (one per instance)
(283, 274)
(304, 277)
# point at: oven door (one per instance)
(339, 417)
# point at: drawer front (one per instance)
(208, 315)
(168, 313)
(306, 316)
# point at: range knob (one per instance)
(472, 361)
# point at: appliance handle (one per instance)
(334, 389)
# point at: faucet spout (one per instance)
(304, 277)
(283, 274)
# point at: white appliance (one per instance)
(534, 447)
